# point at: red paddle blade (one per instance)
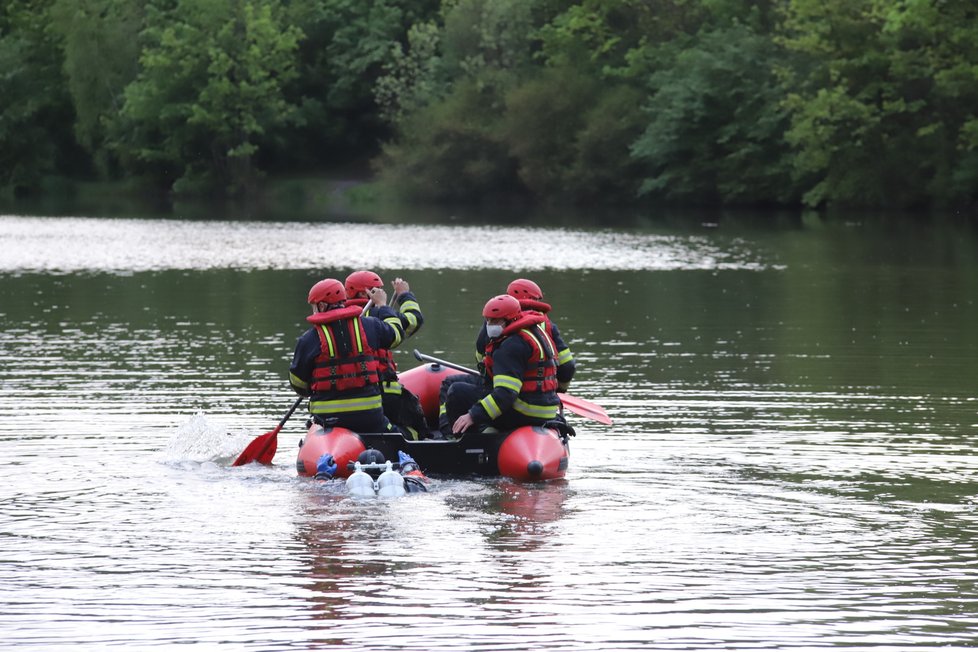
(583, 407)
(261, 449)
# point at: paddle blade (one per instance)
(583, 407)
(261, 449)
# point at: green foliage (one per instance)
(603, 169)
(488, 42)
(570, 123)
(853, 102)
(541, 121)
(881, 112)
(450, 150)
(445, 96)
(414, 76)
(570, 136)
(488, 36)
(36, 112)
(605, 36)
(715, 127)
(347, 47)
(209, 91)
(101, 56)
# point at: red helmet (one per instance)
(328, 290)
(502, 307)
(362, 281)
(524, 289)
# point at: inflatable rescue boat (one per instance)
(528, 453)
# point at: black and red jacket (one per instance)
(565, 358)
(521, 366)
(335, 362)
(406, 320)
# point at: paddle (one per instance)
(578, 406)
(427, 358)
(370, 302)
(262, 448)
(585, 408)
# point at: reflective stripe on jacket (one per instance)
(346, 360)
(535, 387)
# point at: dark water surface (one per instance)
(791, 465)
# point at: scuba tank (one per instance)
(359, 483)
(390, 484)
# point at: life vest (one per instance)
(360, 302)
(563, 355)
(540, 374)
(546, 324)
(537, 306)
(346, 361)
(387, 368)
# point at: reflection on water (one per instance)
(64, 245)
(791, 465)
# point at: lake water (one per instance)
(791, 465)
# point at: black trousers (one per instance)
(465, 390)
(459, 393)
(403, 409)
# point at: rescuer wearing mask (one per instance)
(520, 386)
(530, 297)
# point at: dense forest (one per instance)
(870, 103)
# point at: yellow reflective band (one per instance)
(411, 310)
(564, 357)
(329, 341)
(392, 387)
(507, 382)
(489, 405)
(297, 382)
(536, 342)
(398, 330)
(346, 405)
(535, 411)
(441, 409)
(412, 433)
(546, 335)
(412, 323)
(358, 335)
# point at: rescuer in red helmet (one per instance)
(357, 285)
(401, 407)
(335, 362)
(530, 297)
(520, 374)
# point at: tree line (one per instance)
(869, 103)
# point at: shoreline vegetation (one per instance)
(519, 105)
(349, 198)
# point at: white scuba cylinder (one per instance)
(359, 483)
(390, 483)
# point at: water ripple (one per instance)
(65, 245)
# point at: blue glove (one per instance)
(325, 467)
(407, 462)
